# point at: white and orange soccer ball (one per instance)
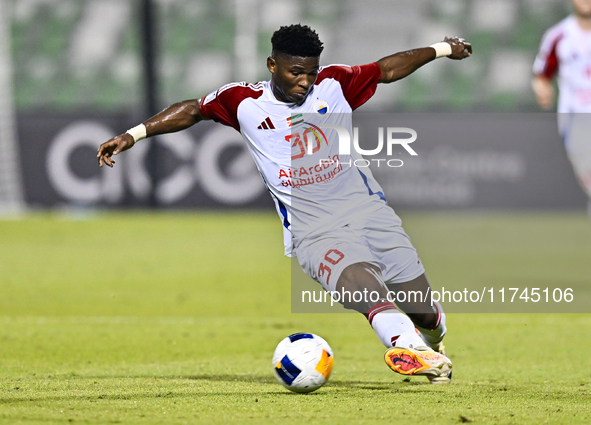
(303, 362)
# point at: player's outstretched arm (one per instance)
(402, 64)
(174, 118)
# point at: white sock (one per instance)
(433, 337)
(392, 327)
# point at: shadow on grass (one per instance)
(396, 386)
(266, 379)
(270, 379)
(253, 378)
(258, 379)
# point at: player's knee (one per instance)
(360, 287)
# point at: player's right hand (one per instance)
(544, 92)
(112, 147)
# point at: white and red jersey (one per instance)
(566, 51)
(314, 188)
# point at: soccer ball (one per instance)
(303, 362)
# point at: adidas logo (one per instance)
(266, 125)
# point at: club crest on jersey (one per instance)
(321, 107)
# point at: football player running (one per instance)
(335, 217)
(566, 51)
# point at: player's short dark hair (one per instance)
(297, 40)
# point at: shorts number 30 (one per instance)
(332, 257)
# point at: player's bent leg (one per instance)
(362, 289)
(360, 286)
(413, 297)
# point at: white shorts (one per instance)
(575, 130)
(378, 239)
(582, 166)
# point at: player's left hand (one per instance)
(460, 48)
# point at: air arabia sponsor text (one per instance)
(304, 176)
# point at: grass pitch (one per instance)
(173, 318)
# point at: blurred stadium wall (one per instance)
(71, 76)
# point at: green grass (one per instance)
(172, 318)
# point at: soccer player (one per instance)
(566, 50)
(334, 214)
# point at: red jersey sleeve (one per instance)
(546, 64)
(222, 104)
(359, 83)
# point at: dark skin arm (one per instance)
(176, 117)
(402, 64)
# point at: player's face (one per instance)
(293, 76)
(582, 8)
